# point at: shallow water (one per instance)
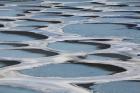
(115, 87)
(72, 70)
(8, 89)
(69, 46)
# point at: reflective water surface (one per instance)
(69, 46)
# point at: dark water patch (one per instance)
(52, 13)
(81, 57)
(138, 54)
(26, 53)
(114, 55)
(10, 89)
(35, 6)
(118, 5)
(115, 87)
(95, 57)
(57, 14)
(77, 8)
(37, 26)
(102, 39)
(69, 7)
(133, 11)
(130, 25)
(20, 14)
(4, 63)
(77, 46)
(20, 35)
(31, 27)
(99, 3)
(72, 70)
(9, 45)
(86, 86)
(125, 16)
(2, 4)
(40, 51)
(108, 67)
(6, 19)
(37, 20)
(66, 15)
(94, 16)
(91, 10)
(54, 22)
(31, 10)
(99, 45)
(90, 40)
(1, 25)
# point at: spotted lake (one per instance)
(69, 46)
